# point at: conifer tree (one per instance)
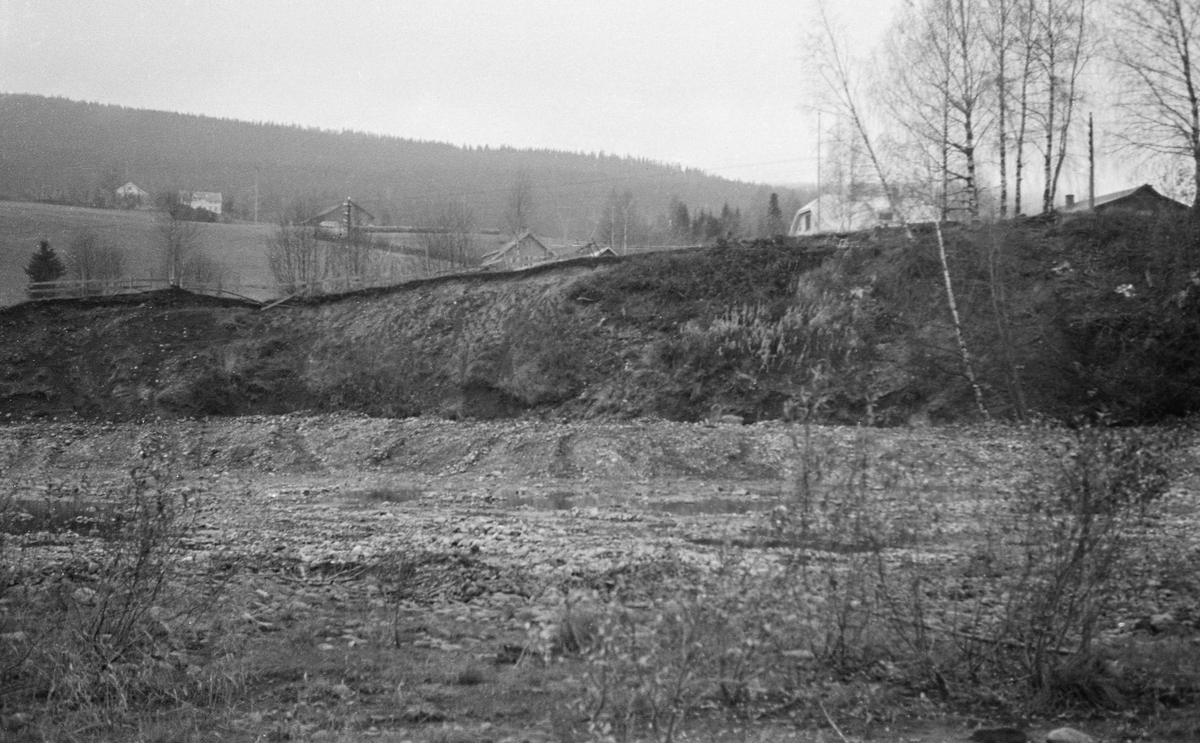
(775, 224)
(44, 265)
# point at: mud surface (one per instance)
(392, 557)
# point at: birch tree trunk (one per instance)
(965, 355)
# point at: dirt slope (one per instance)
(482, 346)
(1093, 317)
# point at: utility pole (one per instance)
(255, 194)
(817, 216)
(1091, 166)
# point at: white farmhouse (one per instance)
(131, 195)
(210, 200)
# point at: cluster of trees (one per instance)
(974, 104)
(92, 264)
(173, 206)
(303, 260)
(622, 226)
(704, 226)
(621, 221)
(90, 261)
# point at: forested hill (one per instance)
(56, 149)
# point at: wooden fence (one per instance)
(261, 293)
(266, 294)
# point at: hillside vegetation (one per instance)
(1096, 316)
(77, 153)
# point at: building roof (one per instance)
(131, 186)
(339, 210)
(526, 236)
(835, 214)
(1145, 189)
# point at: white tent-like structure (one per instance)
(833, 214)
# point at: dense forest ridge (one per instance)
(79, 153)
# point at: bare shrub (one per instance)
(91, 259)
(449, 237)
(352, 263)
(103, 634)
(178, 240)
(296, 258)
(202, 271)
(856, 585)
(1077, 528)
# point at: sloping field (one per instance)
(239, 248)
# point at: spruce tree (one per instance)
(44, 265)
(774, 217)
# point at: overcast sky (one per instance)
(718, 84)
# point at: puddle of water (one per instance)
(565, 501)
(388, 494)
(711, 506)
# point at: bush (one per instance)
(105, 632)
(1077, 527)
(849, 585)
(93, 260)
(1129, 312)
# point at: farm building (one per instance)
(526, 250)
(590, 249)
(1142, 199)
(338, 220)
(207, 200)
(832, 213)
(130, 195)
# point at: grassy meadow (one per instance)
(238, 248)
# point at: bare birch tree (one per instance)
(518, 215)
(1001, 25)
(941, 78)
(1155, 53)
(840, 93)
(178, 239)
(450, 235)
(1026, 47)
(295, 258)
(1063, 43)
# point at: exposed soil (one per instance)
(392, 577)
(856, 331)
(404, 575)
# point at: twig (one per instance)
(833, 724)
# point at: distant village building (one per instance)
(208, 200)
(832, 213)
(592, 250)
(524, 251)
(564, 251)
(1142, 200)
(338, 221)
(131, 196)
